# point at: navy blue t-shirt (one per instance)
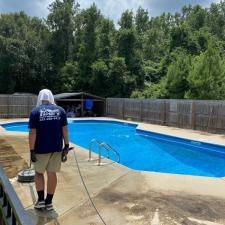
(48, 120)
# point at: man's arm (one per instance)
(32, 138)
(65, 135)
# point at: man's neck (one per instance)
(44, 102)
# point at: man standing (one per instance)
(48, 129)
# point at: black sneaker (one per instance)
(49, 206)
(39, 204)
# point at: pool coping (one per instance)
(186, 134)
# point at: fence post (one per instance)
(106, 107)
(123, 108)
(28, 105)
(8, 107)
(193, 115)
(141, 108)
(164, 112)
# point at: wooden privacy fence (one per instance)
(16, 106)
(193, 114)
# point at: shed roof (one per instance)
(71, 94)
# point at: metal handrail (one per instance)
(11, 209)
(90, 147)
(108, 148)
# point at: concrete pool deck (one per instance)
(121, 195)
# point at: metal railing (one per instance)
(11, 209)
(93, 141)
(108, 148)
(100, 146)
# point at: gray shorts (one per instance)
(50, 162)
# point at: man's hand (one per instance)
(33, 157)
(65, 152)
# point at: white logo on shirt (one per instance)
(49, 114)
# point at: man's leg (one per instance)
(51, 186)
(39, 181)
(40, 186)
(53, 167)
(52, 182)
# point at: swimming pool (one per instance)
(144, 150)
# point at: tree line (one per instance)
(178, 55)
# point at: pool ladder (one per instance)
(100, 146)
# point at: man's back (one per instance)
(48, 120)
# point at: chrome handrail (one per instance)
(108, 148)
(90, 147)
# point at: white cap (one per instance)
(45, 95)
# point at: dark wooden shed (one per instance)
(74, 100)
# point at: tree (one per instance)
(61, 23)
(127, 43)
(186, 11)
(99, 78)
(127, 20)
(68, 76)
(152, 91)
(152, 71)
(10, 50)
(197, 17)
(105, 34)
(176, 83)
(120, 83)
(216, 19)
(23, 54)
(183, 37)
(87, 51)
(206, 77)
(141, 20)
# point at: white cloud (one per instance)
(114, 8)
(110, 8)
(31, 7)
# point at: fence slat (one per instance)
(16, 106)
(206, 115)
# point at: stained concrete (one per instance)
(121, 195)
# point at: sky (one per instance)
(110, 8)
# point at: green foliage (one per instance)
(105, 46)
(61, 23)
(10, 50)
(127, 48)
(216, 19)
(176, 83)
(206, 78)
(126, 21)
(152, 91)
(25, 62)
(120, 83)
(142, 20)
(152, 71)
(197, 17)
(168, 56)
(87, 51)
(99, 79)
(68, 77)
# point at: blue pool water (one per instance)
(147, 151)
